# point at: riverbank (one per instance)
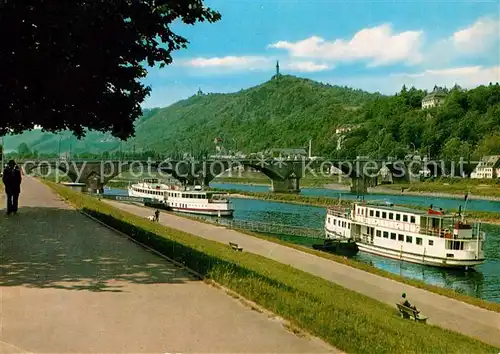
(313, 303)
(482, 216)
(428, 189)
(323, 202)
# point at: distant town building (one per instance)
(488, 168)
(434, 99)
(288, 153)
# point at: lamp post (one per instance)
(3, 154)
(414, 149)
(235, 146)
(59, 148)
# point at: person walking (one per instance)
(12, 180)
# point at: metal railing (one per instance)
(278, 229)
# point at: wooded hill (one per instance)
(288, 111)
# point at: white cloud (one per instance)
(378, 44)
(466, 77)
(228, 62)
(480, 36)
(221, 65)
(306, 66)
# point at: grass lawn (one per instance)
(348, 320)
(325, 201)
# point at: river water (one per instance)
(483, 282)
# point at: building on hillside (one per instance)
(434, 99)
(341, 131)
(488, 168)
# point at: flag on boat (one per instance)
(466, 196)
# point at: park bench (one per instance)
(409, 313)
(235, 246)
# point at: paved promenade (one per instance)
(445, 312)
(70, 285)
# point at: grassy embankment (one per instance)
(348, 320)
(457, 186)
(325, 201)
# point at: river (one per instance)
(483, 282)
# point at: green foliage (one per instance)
(23, 150)
(346, 319)
(279, 113)
(289, 111)
(78, 64)
(466, 125)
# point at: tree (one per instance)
(23, 150)
(76, 64)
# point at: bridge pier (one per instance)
(359, 185)
(288, 185)
(94, 185)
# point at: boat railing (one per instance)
(446, 233)
(218, 201)
(339, 211)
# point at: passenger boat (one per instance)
(183, 199)
(429, 237)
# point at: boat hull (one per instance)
(210, 212)
(343, 248)
(418, 259)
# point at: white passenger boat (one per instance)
(183, 199)
(425, 237)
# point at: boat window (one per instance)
(450, 255)
(454, 245)
(334, 221)
(405, 218)
(379, 233)
(412, 220)
(398, 217)
(409, 239)
(377, 214)
(371, 212)
(384, 215)
(348, 225)
(391, 216)
(401, 237)
(419, 241)
(393, 236)
(386, 234)
(431, 242)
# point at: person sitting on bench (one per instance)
(404, 301)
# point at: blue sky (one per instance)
(372, 45)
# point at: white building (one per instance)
(341, 131)
(434, 99)
(488, 168)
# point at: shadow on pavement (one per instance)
(58, 248)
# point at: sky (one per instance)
(373, 45)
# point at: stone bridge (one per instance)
(285, 175)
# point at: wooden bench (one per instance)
(409, 313)
(235, 246)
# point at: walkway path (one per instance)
(70, 285)
(445, 312)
